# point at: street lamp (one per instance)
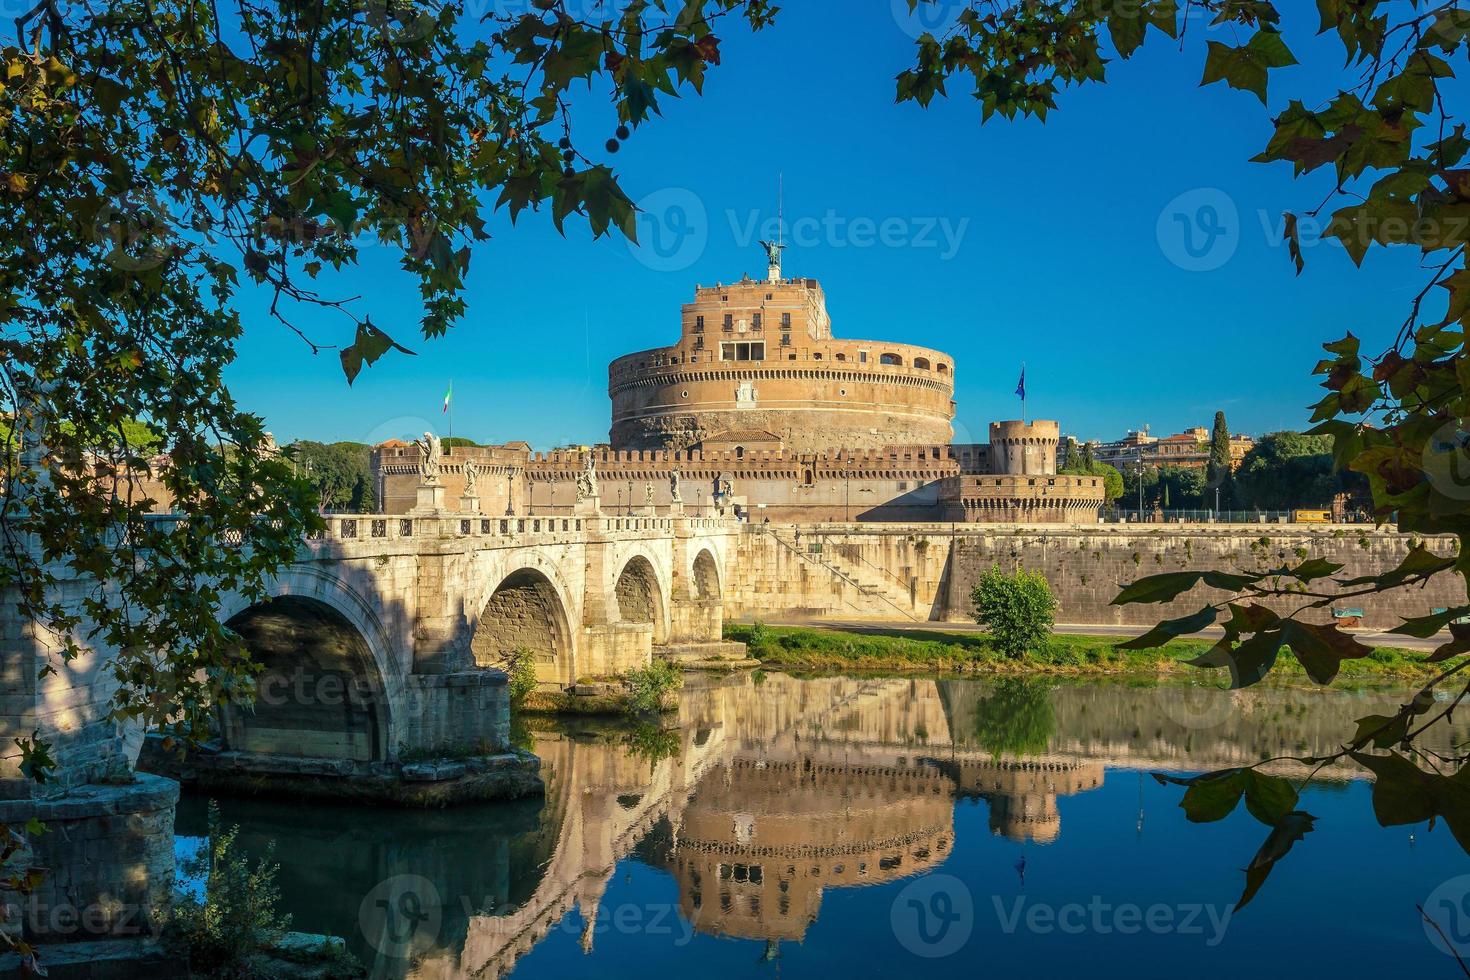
(510, 510)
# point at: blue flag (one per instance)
(1021, 388)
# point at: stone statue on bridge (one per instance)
(674, 486)
(587, 479)
(648, 494)
(433, 451)
(471, 477)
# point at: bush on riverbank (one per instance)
(880, 648)
(1017, 609)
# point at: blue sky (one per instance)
(1061, 245)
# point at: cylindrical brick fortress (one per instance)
(757, 362)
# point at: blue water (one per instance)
(855, 828)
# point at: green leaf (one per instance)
(370, 344)
(1321, 649)
(1424, 627)
(1158, 588)
(1269, 798)
(1288, 830)
(1173, 628)
(1246, 67)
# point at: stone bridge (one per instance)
(378, 643)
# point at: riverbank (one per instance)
(939, 650)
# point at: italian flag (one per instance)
(448, 394)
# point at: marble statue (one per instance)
(433, 451)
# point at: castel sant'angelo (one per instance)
(760, 409)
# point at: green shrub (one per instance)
(1017, 610)
(758, 635)
(520, 664)
(648, 685)
(226, 933)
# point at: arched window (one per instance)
(943, 368)
(890, 359)
(841, 357)
(808, 478)
(739, 452)
(817, 356)
(921, 363)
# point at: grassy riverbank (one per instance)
(877, 648)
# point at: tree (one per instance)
(341, 473)
(1287, 470)
(1084, 465)
(1218, 470)
(154, 156)
(1018, 610)
(1397, 142)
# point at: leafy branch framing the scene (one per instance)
(1397, 146)
(160, 157)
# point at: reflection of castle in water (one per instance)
(776, 790)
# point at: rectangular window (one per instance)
(699, 324)
(743, 351)
(785, 321)
(729, 321)
(755, 321)
(862, 357)
(786, 340)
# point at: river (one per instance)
(856, 827)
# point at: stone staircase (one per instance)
(884, 596)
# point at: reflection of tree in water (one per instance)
(1016, 717)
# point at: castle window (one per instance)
(943, 368)
(729, 321)
(921, 363)
(743, 351)
(786, 340)
(903, 485)
(683, 394)
(817, 356)
(862, 357)
(785, 321)
(699, 324)
(808, 478)
(842, 391)
(739, 452)
(892, 359)
(755, 321)
(841, 357)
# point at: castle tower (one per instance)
(756, 365)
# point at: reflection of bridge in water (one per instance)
(779, 789)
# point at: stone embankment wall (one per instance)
(926, 571)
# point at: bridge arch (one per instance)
(641, 596)
(527, 611)
(705, 576)
(320, 692)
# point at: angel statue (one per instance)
(674, 486)
(471, 477)
(587, 479)
(433, 451)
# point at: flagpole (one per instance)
(450, 404)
